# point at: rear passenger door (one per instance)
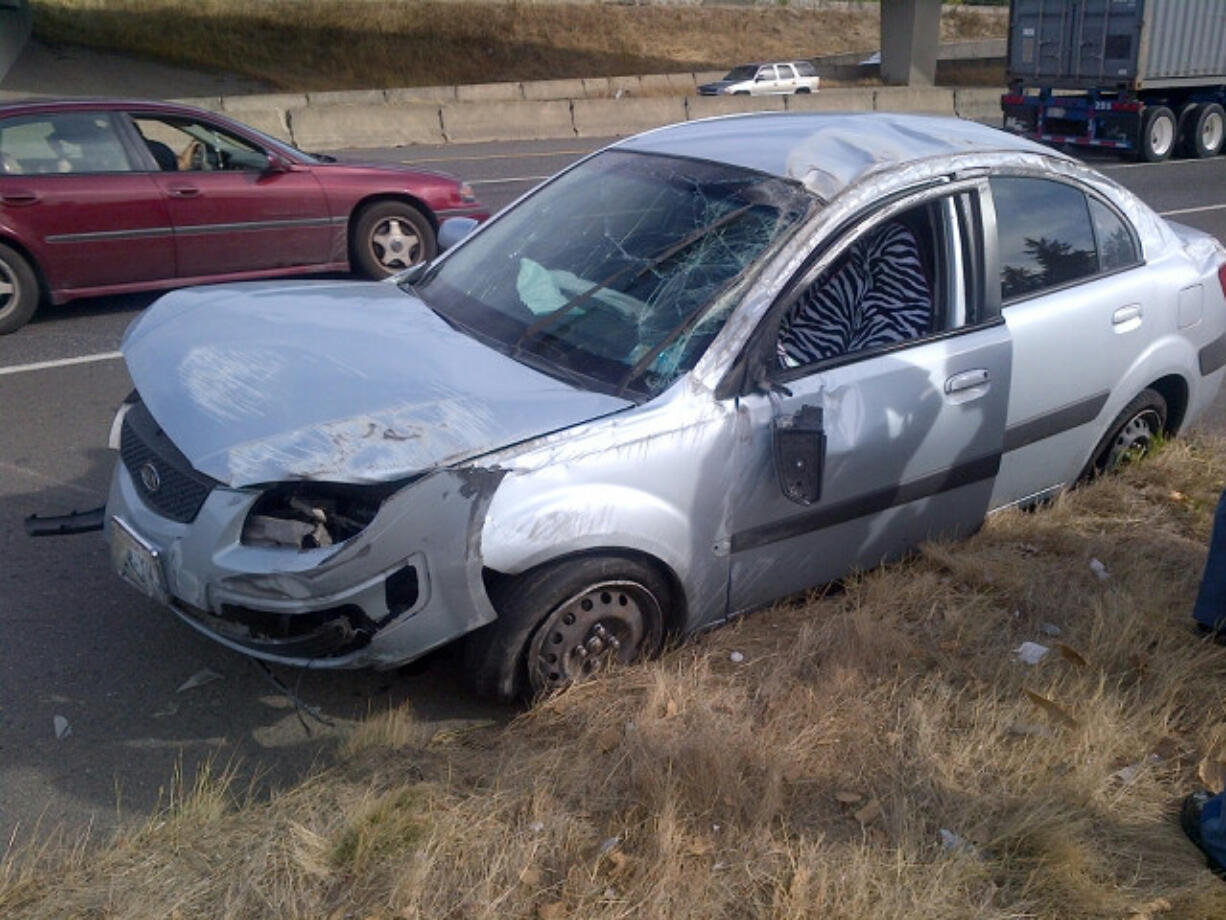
(1074, 298)
(71, 191)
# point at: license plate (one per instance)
(137, 562)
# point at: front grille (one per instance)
(152, 459)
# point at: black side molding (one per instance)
(1213, 356)
(57, 525)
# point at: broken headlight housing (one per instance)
(312, 515)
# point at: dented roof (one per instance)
(827, 152)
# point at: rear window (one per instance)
(64, 142)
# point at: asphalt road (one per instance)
(76, 643)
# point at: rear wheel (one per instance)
(1131, 435)
(565, 622)
(1156, 139)
(18, 290)
(1205, 131)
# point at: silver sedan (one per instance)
(703, 368)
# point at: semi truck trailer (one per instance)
(1144, 77)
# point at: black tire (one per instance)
(19, 292)
(1204, 131)
(563, 621)
(390, 236)
(741, 92)
(1157, 135)
(1130, 435)
(803, 91)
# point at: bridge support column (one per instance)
(910, 38)
(14, 30)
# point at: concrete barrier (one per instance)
(610, 117)
(381, 125)
(347, 97)
(979, 105)
(488, 92)
(625, 86)
(833, 100)
(14, 30)
(271, 121)
(711, 106)
(928, 100)
(421, 94)
(263, 102)
(553, 89)
(661, 84)
(507, 121)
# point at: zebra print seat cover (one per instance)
(874, 295)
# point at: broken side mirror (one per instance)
(454, 229)
(800, 454)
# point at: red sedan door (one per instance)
(69, 191)
(231, 213)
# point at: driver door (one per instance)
(854, 458)
(231, 214)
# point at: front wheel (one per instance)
(565, 622)
(1131, 435)
(18, 290)
(390, 236)
(1156, 139)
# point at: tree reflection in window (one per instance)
(1045, 235)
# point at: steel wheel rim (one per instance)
(604, 624)
(8, 287)
(1134, 439)
(395, 244)
(1211, 131)
(1161, 136)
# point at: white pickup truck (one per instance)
(783, 78)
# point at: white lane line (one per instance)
(511, 179)
(61, 362)
(498, 156)
(49, 480)
(1208, 207)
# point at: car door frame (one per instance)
(313, 230)
(1046, 446)
(104, 243)
(775, 557)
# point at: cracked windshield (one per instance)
(619, 274)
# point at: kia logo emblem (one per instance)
(150, 476)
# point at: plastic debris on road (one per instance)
(62, 728)
(199, 679)
(1031, 652)
(736, 657)
(1099, 570)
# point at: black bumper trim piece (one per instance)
(57, 525)
(1213, 356)
(1053, 423)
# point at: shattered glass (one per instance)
(617, 275)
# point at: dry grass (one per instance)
(814, 778)
(345, 44)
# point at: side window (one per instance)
(187, 145)
(786, 72)
(66, 142)
(904, 279)
(1117, 247)
(766, 73)
(1045, 235)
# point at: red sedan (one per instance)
(104, 197)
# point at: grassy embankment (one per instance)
(878, 752)
(347, 44)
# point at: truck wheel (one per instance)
(1156, 139)
(1206, 129)
(565, 621)
(18, 291)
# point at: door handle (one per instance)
(1126, 314)
(18, 198)
(184, 191)
(967, 380)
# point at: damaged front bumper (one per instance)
(408, 582)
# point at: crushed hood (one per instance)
(333, 381)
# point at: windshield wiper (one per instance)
(680, 246)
